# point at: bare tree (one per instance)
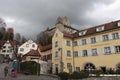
(18, 37)
(44, 38)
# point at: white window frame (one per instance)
(117, 49)
(118, 24)
(100, 28)
(75, 43)
(56, 43)
(76, 54)
(82, 33)
(85, 53)
(105, 37)
(68, 43)
(84, 41)
(115, 35)
(56, 54)
(68, 53)
(94, 52)
(107, 50)
(93, 40)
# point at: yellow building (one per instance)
(93, 48)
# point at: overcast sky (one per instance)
(30, 17)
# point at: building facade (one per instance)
(89, 49)
(7, 49)
(26, 47)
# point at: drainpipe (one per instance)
(73, 55)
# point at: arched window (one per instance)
(89, 67)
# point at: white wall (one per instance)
(27, 46)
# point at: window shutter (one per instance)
(77, 43)
(101, 38)
(119, 34)
(65, 42)
(112, 49)
(98, 52)
(79, 53)
(103, 51)
(89, 52)
(80, 42)
(110, 36)
(96, 39)
(88, 41)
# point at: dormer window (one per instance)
(119, 24)
(27, 45)
(82, 33)
(101, 28)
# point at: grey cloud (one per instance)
(39, 14)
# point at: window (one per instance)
(3, 50)
(4, 46)
(84, 42)
(101, 28)
(27, 45)
(94, 52)
(85, 53)
(9, 47)
(93, 40)
(75, 43)
(56, 54)
(107, 50)
(8, 50)
(115, 35)
(56, 44)
(68, 53)
(78, 69)
(68, 43)
(118, 24)
(33, 45)
(56, 65)
(69, 66)
(82, 33)
(89, 67)
(21, 49)
(117, 49)
(105, 37)
(76, 54)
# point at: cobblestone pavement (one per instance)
(23, 77)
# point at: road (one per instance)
(23, 77)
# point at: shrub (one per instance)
(118, 71)
(30, 66)
(110, 71)
(79, 75)
(64, 75)
(97, 72)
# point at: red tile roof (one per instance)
(33, 53)
(45, 48)
(108, 26)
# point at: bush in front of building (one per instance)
(110, 71)
(30, 67)
(64, 75)
(97, 72)
(118, 71)
(74, 75)
(79, 75)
